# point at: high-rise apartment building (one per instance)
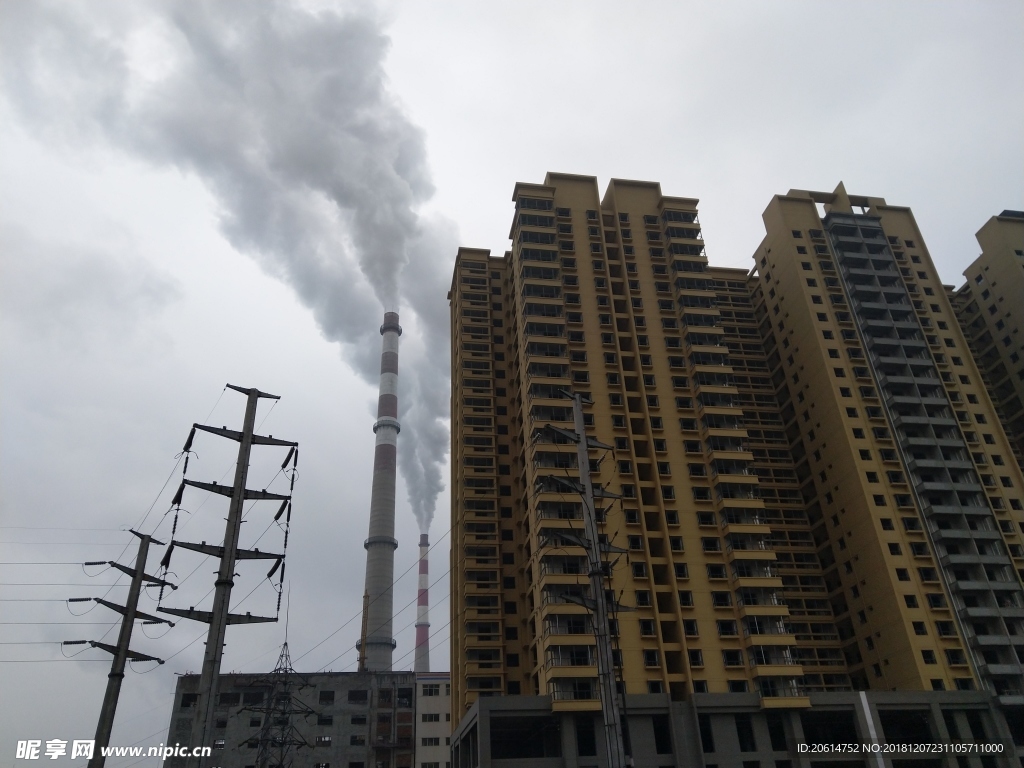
(710, 549)
(815, 493)
(909, 481)
(990, 308)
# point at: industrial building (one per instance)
(322, 720)
(805, 490)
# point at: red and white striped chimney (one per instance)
(422, 663)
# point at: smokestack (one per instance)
(381, 544)
(423, 612)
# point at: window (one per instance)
(685, 598)
(920, 628)
(894, 549)
(651, 659)
(696, 657)
(324, 741)
(902, 574)
(928, 657)
(431, 689)
(727, 628)
(732, 658)
(430, 741)
(431, 718)
(690, 628)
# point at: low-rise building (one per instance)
(322, 720)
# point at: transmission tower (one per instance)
(219, 617)
(591, 541)
(279, 737)
(121, 652)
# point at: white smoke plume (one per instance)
(285, 116)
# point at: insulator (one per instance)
(279, 594)
(286, 532)
(291, 485)
(174, 527)
(176, 501)
(273, 570)
(191, 437)
(97, 562)
(166, 562)
(160, 597)
(281, 510)
(283, 566)
(185, 470)
(75, 642)
(295, 464)
(79, 599)
(288, 457)
(288, 517)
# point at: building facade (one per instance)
(717, 578)
(908, 478)
(321, 720)
(875, 728)
(991, 315)
(816, 496)
(433, 719)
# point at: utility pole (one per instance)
(121, 652)
(219, 617)
(598, 604)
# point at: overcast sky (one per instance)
(193, 194)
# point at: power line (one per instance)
(41, 661)
(32, 642)
(34, 600)
(51, 528)
(60, 543)
(398, 611)
(56, 584)
(415, 564)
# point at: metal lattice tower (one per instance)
(279, 738)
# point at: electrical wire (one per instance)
(357, 615)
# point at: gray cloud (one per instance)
(73, 295)
(286, 117)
